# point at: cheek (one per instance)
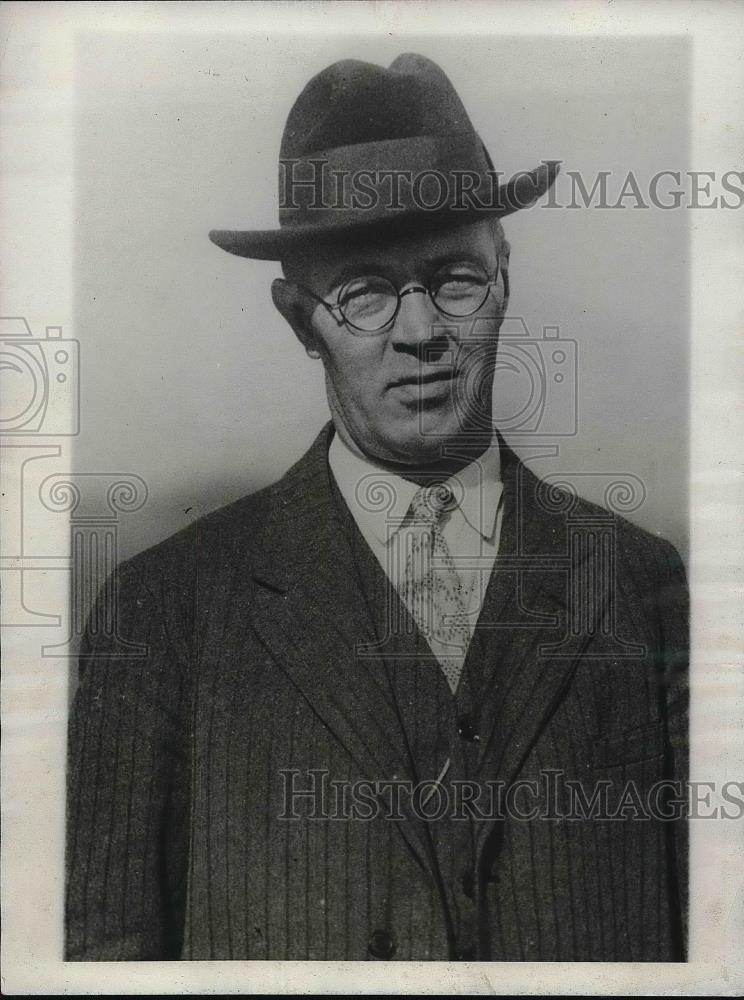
(477, 361)
(479, 342)
(352, 370)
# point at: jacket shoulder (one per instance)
(229, 532)
(232, 525)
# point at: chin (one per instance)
(425, 442)
(418, 451)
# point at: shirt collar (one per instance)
(380, 500)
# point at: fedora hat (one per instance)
(367, 148)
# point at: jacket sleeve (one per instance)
(127, 779)
(672, 607)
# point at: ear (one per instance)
(505, 252)
(288, 300)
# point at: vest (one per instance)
(441, 731)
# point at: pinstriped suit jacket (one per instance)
(271, 665)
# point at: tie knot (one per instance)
(430, 502)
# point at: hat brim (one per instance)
(522, 191)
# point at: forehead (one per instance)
(406, 255)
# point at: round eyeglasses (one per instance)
(369, 303)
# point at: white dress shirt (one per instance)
(379, 502)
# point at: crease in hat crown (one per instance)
(357, 119)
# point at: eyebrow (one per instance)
(381, 267)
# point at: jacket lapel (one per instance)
(524, 615)
(310, 612)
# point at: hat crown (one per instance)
(353, 102)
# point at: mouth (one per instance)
(425, 390)
(442, 375)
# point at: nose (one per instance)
(419, 324)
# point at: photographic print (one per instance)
(361, 456)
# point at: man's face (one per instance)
(426, 379)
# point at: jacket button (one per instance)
(382, 944)
(466, 729)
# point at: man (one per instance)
(360, 682)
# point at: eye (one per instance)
(366, 295)
(458, 280)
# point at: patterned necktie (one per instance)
(433, 589)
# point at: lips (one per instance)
(426, 378)
(424, 390)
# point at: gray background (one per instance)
(191, 380)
